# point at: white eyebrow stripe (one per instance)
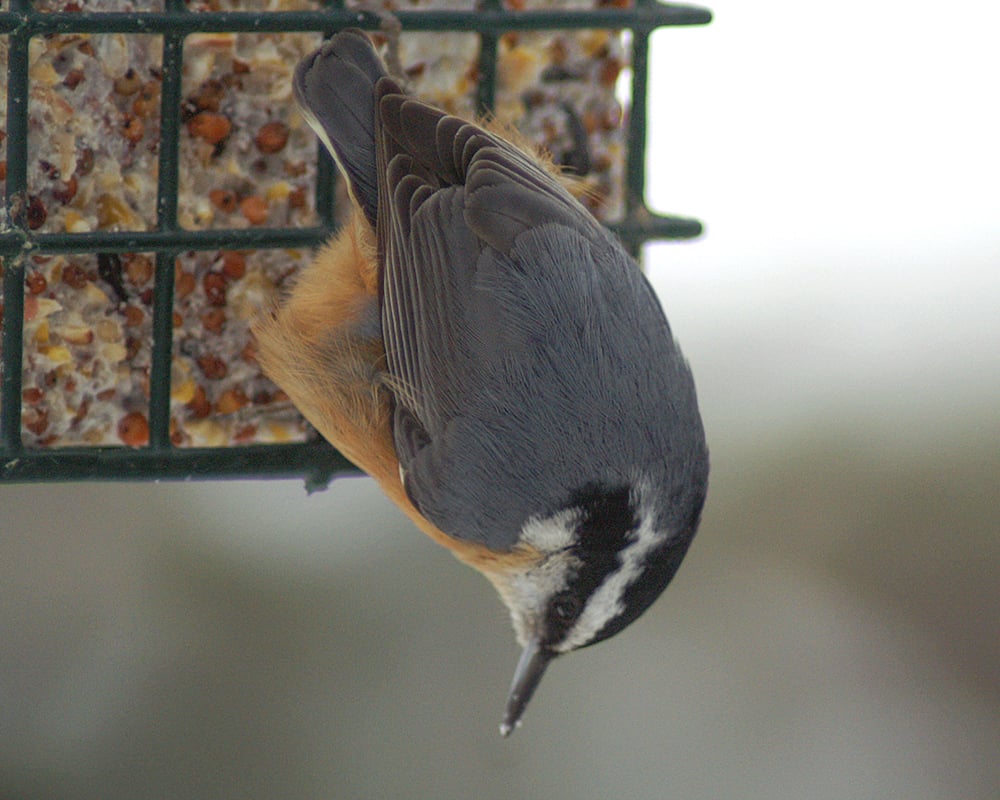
(607, 601)
(549, 534)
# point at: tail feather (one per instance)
(335, 89)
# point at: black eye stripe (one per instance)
(608, 517)
(566, 607)
(607, 524)
(563, 611)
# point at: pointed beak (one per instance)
(527, 676)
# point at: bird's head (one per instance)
(598, 564)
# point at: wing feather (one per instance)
(508, 315)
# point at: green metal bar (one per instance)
(170, 112)
(317, 460)
(645, 15)
(642, 227)
(162, 350)
(13, 273)
(635, 156)
(327, 174)
(179, 239)
(166, 217)
(326, 181)
(486, 89)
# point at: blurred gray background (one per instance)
(835, 630)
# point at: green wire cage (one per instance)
(21, 238)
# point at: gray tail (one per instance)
(335, 89)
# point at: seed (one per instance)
(133, 316)
(213, 367)
(272, 137)
(249, 352)
(67, 191)
(213, 320)
(133, 429)
(73, 78)
(74, 275)
(230, 401)
(36, 213)
(129, 83)
(107, 331)
(112, 211)
(245, 434)
(148, 100)
(199, 405)
(208, 97)
(36, 282)
(138, 269)
(214, 284)
(77, 334)
(133, 128)
(224, 200)
(609, 72)
(85, 162)
(82, 411)
(297, 197)
(36, 420)
(234, 265)
(211, 127)
(254, 208)
(184, 282)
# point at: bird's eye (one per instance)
(565, 607)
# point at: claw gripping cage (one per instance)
(165, 238)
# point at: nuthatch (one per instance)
(479, 344)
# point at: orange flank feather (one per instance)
(323, 347)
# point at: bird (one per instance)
(478, 343)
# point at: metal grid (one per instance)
(315, 461)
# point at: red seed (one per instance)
(224, 200)
(138, 269)
(232, 400)
(212, 367)
(254, 208)
(36, 420)
(184, 282)
(133, 429)
(234, 265)
(214, 284)
(66, 191)
(211, 127)
(272, 137)
(133, 316)
(36, 213)
(73, 78)
(36, 282)
(213, 320)
(133, 128)
(199, 405)
(74, 275)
